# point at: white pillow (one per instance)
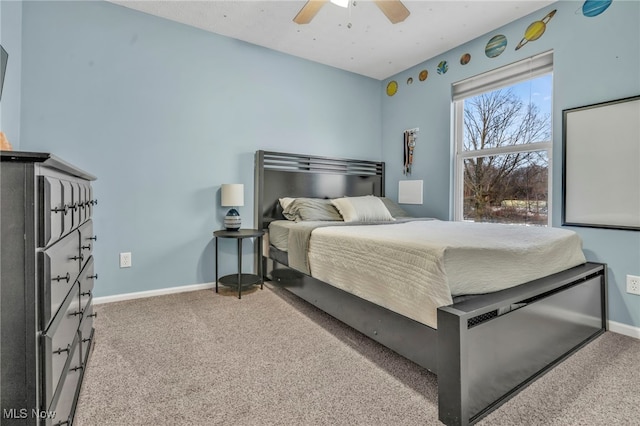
(362, 209)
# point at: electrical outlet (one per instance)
(633, 284)
(125, 260)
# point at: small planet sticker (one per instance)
(423, 75)
(392, 88)
(443, 67)
(495, 46)
(536, 29)
(592, 8)
(464, 59)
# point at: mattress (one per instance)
(413, 267)
(279, 233)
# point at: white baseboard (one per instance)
(151, 293)
(627, 330)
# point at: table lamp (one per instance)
(232, 195)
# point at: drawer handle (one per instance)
(86, 247)
(60, 350)
(79, 257)
(65, 209)
(80, 367)
(59, 278)
(93, 202)
(86, 340)
(95, 315)
(93, 277)
(80, 312)
(73, 206)
(86, 293)
(94, 238)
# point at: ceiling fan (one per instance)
(394, 10)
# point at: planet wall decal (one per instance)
(392, 88)
(464, 59)
(495, 46)
(592, 8)
(443, 67)
(535, 30)
(423, 75)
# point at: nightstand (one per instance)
(239, 279)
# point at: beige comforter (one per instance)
(413, 267)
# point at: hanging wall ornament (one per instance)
(409, 144)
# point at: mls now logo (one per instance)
(15, 413)
(23, 413)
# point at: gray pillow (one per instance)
(300, 209)
(394, 209)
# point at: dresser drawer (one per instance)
(86, 239)
(58, 268)
(86, 332)
(63, 404)
(85, 196)
(79, 200)
(86, 279)
(90, 201)
(53, 211)
(78, 211)
(58, 341)
(67, 196)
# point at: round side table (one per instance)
(240, 280)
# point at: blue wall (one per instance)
(595, 59)
(163, 114)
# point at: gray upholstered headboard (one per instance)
(279, 174)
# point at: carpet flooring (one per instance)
(201, 358)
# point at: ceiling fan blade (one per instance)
(308, 11)
(393, 9)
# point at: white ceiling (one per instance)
(372, 46)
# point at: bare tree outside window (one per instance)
(505, 170)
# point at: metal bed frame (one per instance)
(486, 348)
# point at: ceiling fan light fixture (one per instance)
(394, 10)
(341, 3)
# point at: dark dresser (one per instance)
(47, 278)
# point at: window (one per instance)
(503, 144)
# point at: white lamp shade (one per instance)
(232, 195)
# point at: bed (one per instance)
(484, 344)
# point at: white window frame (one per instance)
(503, 77)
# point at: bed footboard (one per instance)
(491, 347)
